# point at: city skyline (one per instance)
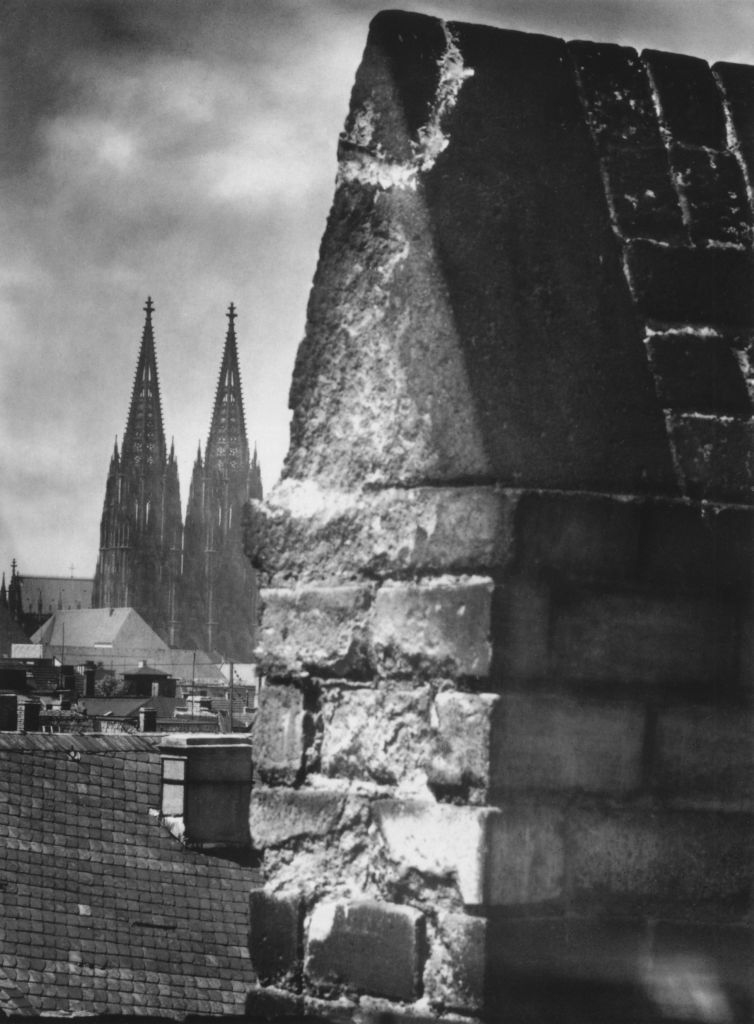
(192, 160)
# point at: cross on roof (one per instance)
(231, 314)
(149, 308)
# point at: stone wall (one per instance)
(504, 757)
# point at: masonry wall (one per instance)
(507, 617)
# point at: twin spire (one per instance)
(144, 437)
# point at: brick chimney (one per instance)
(206, 788)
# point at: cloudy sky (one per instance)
(185, 149)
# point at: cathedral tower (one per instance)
(141, 529)
(219, 607)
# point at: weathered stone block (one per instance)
(690, 103)
(454, 978)
(461, 749)
(441, 627)
(580, 535)
(555, 742)
(691, 547)
(642, 195)
(279, 815)
(661, 860)
(276, 937)
(737, 81)
(714, 456)
(309, 532)
(724, 954)
(715, 193)
(437, 840)
(322, 629)
(525, 855)
(410, 353)
(698, 373)
(496, 858)
(282, 734)
(617, 94)
(705, 755)
(399, 76)
(696, 286)
(597, 949)
(521, 631)
(380, 734)
(376, 948)
(642, 638)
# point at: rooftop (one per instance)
(101, 910)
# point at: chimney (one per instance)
(28, 715)
(8, 712)
(147, 719)
(89, 674)
(206, 788)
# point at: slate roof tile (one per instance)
(101, 910)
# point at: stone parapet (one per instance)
(503, 757)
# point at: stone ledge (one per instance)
(375, 948)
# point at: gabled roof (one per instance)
(51, 591)
(87, 627)
(128, 707)
(103, 911)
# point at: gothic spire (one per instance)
(227, 446)
(144, 439)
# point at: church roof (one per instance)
(66, 591)
(103, 911)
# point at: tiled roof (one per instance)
(101, 910)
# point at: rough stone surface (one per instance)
(654, 860)
(279, 815)
(554, 742)
(441, 627)
(715, 456)
(617, 94)
(737, 81)
(586, 536)
(276, 937)
(643, 638)
(525, 862)
(698, 374)
(464, 737)
(438, 840)
(377, 948)
(299, 532)
(282, 734)
(454, 977)
(694, 286)
(607, 949)
(690, 104)
(714, 191)
(330, 634)
(704, 755)
(410, 355)
(380, 734)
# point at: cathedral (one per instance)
(193, 585)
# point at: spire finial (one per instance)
(231, 315)
(149, 308)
